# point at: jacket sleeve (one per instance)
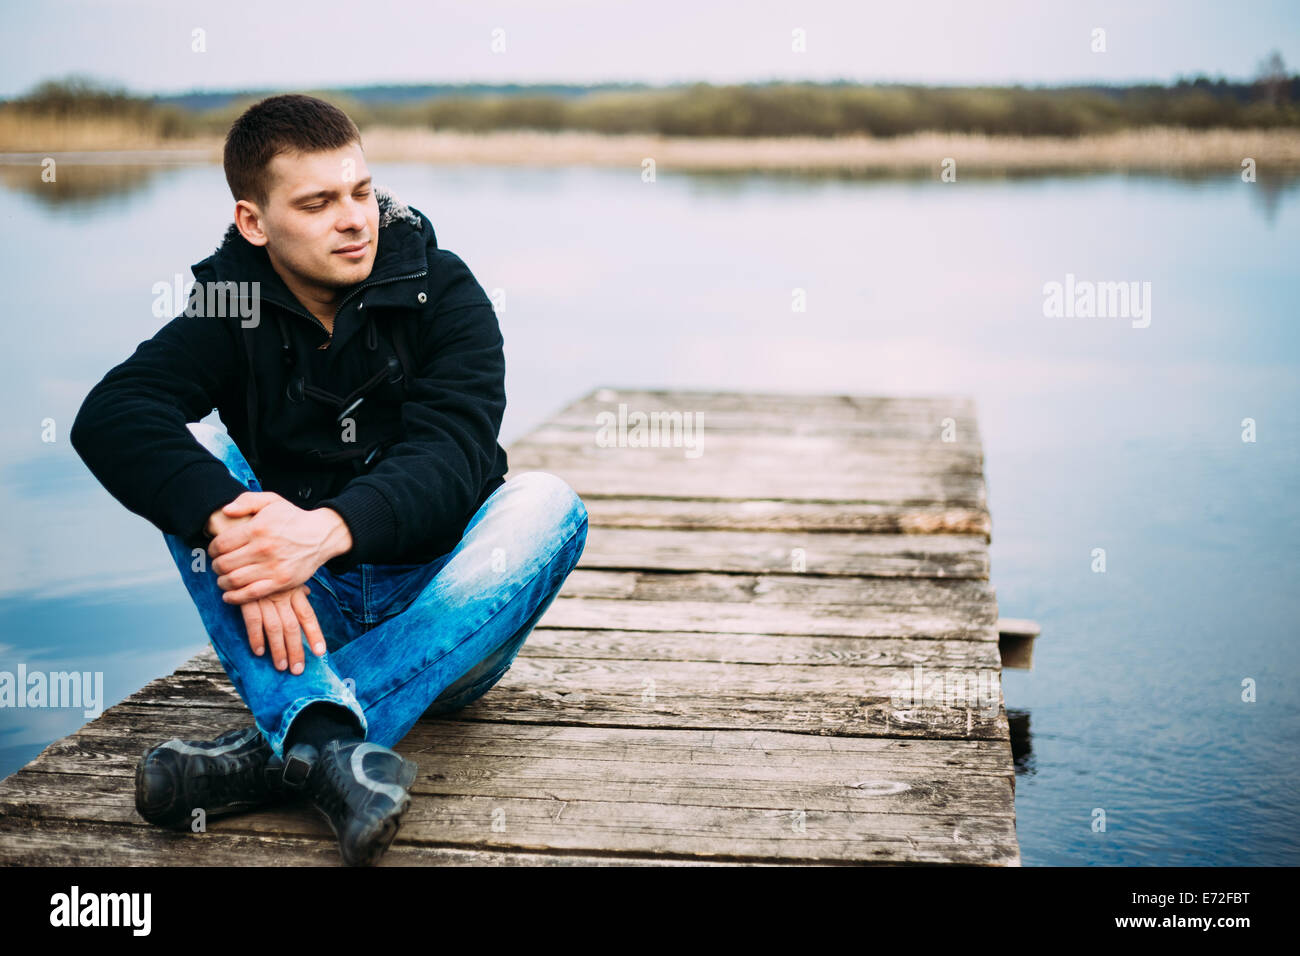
(424, 487)
(131, 428)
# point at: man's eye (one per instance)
(319, 205)
(363, 194)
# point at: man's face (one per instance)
(321, 221)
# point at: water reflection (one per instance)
(88, 177)
(76, 183)
(1022, 744)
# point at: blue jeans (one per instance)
(406, 640)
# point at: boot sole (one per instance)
(158, 818)
(381, 836)
(377, 837)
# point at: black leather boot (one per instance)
(237, 771)
(361, 789)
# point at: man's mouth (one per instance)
(356, 250)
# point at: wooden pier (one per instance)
(780, 646)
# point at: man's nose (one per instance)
(352, 218)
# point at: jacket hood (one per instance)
(405, 235)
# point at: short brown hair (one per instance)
(287, 123)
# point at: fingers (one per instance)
(307, 618)
(249, 503)
(274, 628)
(292, 632)
(253, 624)
(282, 621)
(233, 536)
(238, 515)
(232, 558)
(250, 564)
(253, 589)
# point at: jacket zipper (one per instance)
(360, 288)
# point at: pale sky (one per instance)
(146, 44)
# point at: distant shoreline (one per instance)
(1155, 149)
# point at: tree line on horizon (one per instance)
(1272, 100)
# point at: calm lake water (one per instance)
(1097, 434)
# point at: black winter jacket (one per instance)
(417, 342)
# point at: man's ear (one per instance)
(248, 220)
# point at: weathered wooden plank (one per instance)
(876, 555)
(819, 700)
(759, 648)
(576, 763)
(625, 475)
(79, 843)
(959, 431)
(693, 475)
(970, 595)
(718, 452)
(949, 425)
(111, 743)
(789, 405)
(109, 798)
(758, 515)
(811, 699)
(791, 834)
(605, 644)
(808, 619)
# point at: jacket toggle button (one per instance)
(422, 298)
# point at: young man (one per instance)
(358, 369)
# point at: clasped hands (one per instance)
(264, 549)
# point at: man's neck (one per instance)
(324, 312)
(325, 317)
(320, 301)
